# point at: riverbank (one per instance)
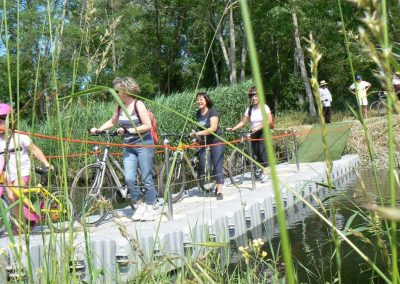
(378, 132)
(357, 144)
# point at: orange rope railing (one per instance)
(172, 148)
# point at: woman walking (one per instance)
(136, 131)
(208, 118)
(254, 115)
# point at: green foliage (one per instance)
(291, 92)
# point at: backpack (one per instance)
(273, 122)
(153, 121)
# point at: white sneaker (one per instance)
(148, 213)
(137, 215)
(265, 178)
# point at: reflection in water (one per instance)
(311, 239)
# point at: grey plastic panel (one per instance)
(199, 219)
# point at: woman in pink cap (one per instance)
(16, 169)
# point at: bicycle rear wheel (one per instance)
(178, 181)
(58, 212)
(91, 197)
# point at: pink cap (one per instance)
(5, 109)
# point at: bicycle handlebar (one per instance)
(105, 132)
(42, 171)
(241, 133)
(173, 135)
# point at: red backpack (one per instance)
(153, 121)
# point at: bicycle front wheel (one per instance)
(377, 107)
(91, 197)
(178, 181)
(237, 167)
(58, 211)
(374, 106)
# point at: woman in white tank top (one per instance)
(254, 115)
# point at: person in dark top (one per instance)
(208, 118)
(136, 131)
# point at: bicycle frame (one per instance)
(38, 190)
(108, 162)
(181, 153)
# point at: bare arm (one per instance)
(243, 122)
(37, 152)
(108, 124)
(351, 90)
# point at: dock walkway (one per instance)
(121, 247)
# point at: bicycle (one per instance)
(186, 166)
(97, 186)
(49, 206)
(380, 104)
(238, 164)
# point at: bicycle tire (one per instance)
(178, 181)
(236, 167)
(7, 215)
(375, 106)
(207, 182)
(58, 217)
(83, 190)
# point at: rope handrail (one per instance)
(171, 148)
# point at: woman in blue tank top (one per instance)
(136, 131)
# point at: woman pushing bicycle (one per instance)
(15, 163)
(208, 118)
(136, 131)
(254, 115)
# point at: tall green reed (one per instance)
(268, 142)
(375, 19)
(315, 58)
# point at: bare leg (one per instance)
(219, 188)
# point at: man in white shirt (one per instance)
(396, 84)
(326, 100)
(360, 89)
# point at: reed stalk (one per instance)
(268, 143)
(315, 58)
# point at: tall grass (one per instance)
(175, 113)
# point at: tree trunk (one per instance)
(215, 67)
(158, 37)
(303, 70)
(232, 59)
(223, 47)
(244, 58)
(114, 56)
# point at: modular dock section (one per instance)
(120, 248)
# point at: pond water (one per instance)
(310, 238)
